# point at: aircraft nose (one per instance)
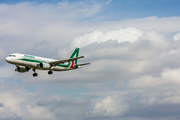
(7, 59)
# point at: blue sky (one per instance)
(141, 8)
(124, 9)
(132, 45)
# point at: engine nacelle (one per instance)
(22, 69)
(44, 65)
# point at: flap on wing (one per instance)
(63, 61)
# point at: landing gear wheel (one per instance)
(35, 74)
(50, 72)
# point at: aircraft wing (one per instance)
(54, 63)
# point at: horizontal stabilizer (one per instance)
(66, 60)
(83, 64)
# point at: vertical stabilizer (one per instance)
(73, 55)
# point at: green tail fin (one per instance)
(73, 55)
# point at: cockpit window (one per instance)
(12, 55)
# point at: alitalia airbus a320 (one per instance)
(26, 62)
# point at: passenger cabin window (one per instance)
(12, 55)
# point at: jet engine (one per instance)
(22, 69)
(44, 65)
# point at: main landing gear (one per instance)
(50, 72)
(35, 74)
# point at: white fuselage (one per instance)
(33, 62)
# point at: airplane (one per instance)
(25, 62)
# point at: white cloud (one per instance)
(121, 35)
(107, 104)
(7, 71)
(164, 25)
(32, 22)
(157, 39)
(17, 103)
(3, 54)
(168, 77)
(145, 81)
(37, 112)
(177, 37)
(110, 106)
